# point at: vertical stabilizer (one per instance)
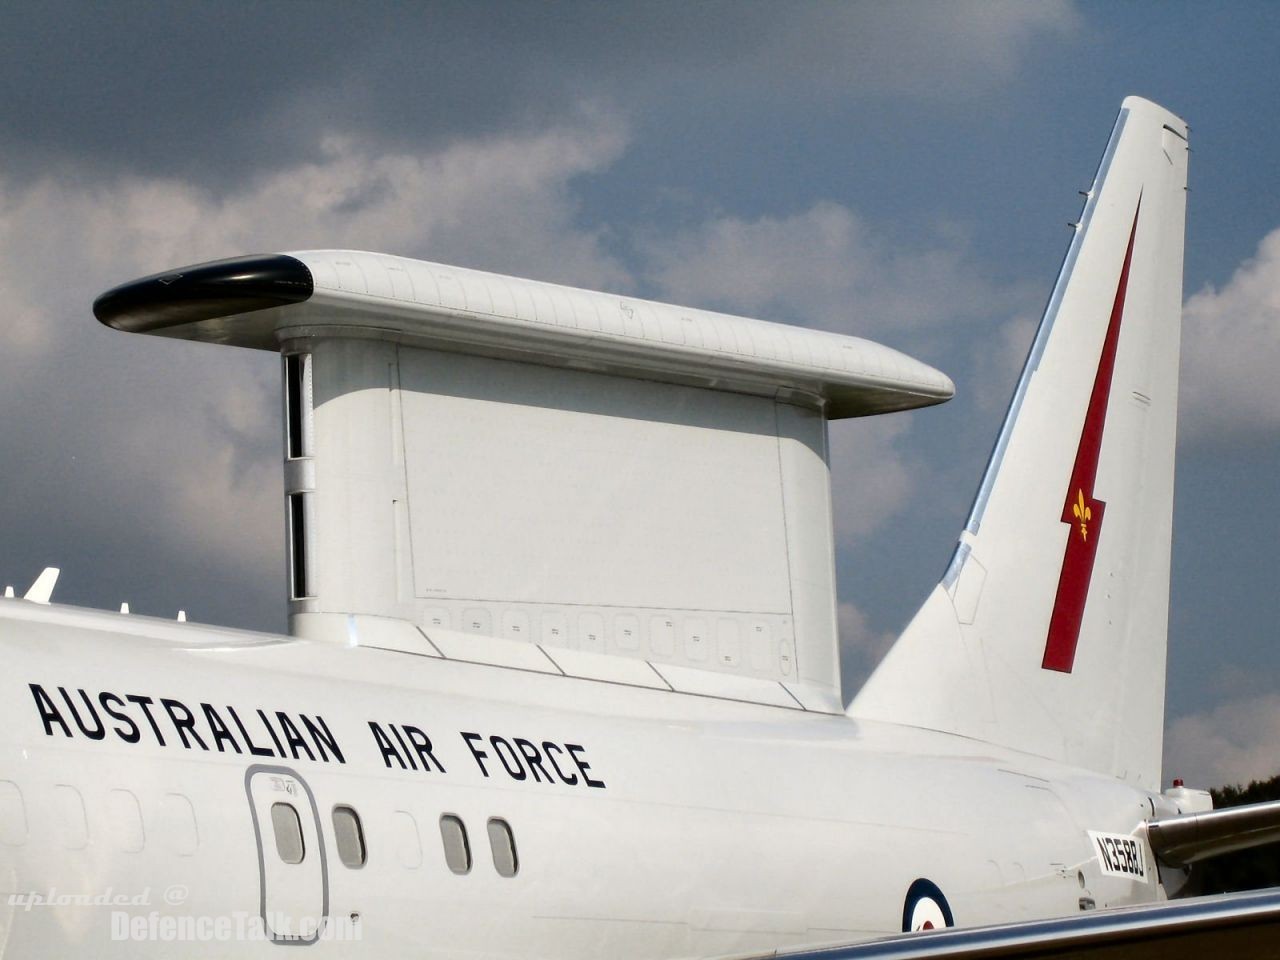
(1048, 631)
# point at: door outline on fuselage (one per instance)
(287, 940)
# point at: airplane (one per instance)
(561, 677)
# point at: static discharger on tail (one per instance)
(562, 676)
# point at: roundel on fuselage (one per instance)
(925, 908)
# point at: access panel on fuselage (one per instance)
(530, 484)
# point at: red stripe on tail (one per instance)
(1082, 513)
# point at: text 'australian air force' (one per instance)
(222, 728)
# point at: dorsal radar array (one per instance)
(528, 474)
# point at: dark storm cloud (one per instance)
(149, 469)
(141, 474)
(158, 87)
(213, 91)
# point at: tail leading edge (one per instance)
(1048, 631)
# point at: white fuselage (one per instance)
(645, 823)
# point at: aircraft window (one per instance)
(457, 852)
(408, 843)
(178, 824)
(13, 814)
(503, 845)
(69, 808)
(349, 836)
(126, 818)
(288, 831)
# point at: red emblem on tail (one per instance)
(1082, 513)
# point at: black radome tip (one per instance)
(205, 291)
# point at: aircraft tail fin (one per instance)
(1048, 631)
(42, 590)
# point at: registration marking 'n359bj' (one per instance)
(1120, 855)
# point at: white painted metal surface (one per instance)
(529, 462)
(1075, 513)
(468, 310)
(459, 310)
(715, 827)
(1242, 926)
(654, 522)
(602, 671)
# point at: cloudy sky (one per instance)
(898, 171)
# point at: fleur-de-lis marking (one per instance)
(1083, 514)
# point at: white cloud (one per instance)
(938, 51)
(500, 202)
(209, 415)
(1231, 351)
(178, 444)
(871, 480)
(1235, 742)
(824, 267)
(861, 648)
(998, 362)
(504, 203)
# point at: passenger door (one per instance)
(293, 875)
